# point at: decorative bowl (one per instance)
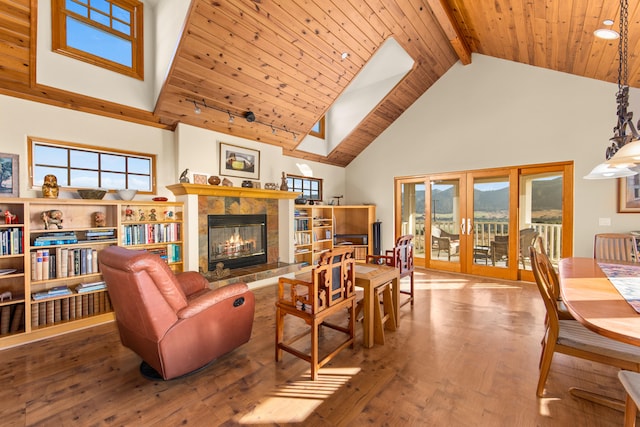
(93, 194)
(127, 194)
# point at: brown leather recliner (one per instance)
(174, 322)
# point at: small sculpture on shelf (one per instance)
(141, 215)
(168, 215)
(10, 218)
(283, 185)
(99, 219)
(152, 215)
(128, 213)
(184, 176)
(7, 295)
(227, 183)
(51, 218)
(50, 187)
(214, 180)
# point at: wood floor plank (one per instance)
(465, 354)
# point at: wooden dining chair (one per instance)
(631, 383)
(548, 270)
(615, 247)
(329, 293)
(572, 338)
(400, 257)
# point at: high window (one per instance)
(83, 166)
(311, 188)
(318, 128)
(107, 33)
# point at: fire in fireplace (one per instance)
(237, 240)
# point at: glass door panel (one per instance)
(493, 205)
(412, 196)
(445, 219)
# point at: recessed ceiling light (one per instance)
(608, 22)
(345, 55)
(606, 33)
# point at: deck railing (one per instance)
(485, 232)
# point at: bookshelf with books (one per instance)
(156, 227)
(62, 258)
(302, 224)
(322, 230)
(12, 265)
(50, 282)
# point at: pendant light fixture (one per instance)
(624, 151)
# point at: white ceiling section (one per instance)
(378, 77)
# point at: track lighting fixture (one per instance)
(248, 115)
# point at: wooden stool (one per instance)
(384, 314)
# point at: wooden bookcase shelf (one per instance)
(71, 254)
(319, 228)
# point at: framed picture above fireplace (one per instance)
(240, 162)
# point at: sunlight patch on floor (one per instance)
(544, 405)
(295, 401)
(440, 284)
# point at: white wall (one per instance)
(189, 147)
(198, 150)
(62, 72)
(499, 113)
(20, 119)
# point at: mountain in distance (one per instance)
(546, 195)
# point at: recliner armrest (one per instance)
(209, 299)
(191, 282)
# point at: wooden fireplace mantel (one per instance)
(223, 191)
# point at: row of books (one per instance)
(11, 241)
(301, 224)
(63, 262)
(141, 234)
(63, 290)
(11, 318)
(56, 238)
(101, 234)
(64, 309)
(302, 238)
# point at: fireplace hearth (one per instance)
(237, 240)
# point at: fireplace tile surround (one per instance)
(203, 200)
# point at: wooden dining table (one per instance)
(369, 277)
(593, 301)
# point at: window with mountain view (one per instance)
(82, 166)
(106, 33)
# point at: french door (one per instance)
(482, 222)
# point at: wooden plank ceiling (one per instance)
(282, 59)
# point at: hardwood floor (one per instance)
(465, 355)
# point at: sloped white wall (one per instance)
(498, 113)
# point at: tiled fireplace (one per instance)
(203, 201)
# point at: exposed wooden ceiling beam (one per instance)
(447, 21)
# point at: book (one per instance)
(5, 319)
(18, 319)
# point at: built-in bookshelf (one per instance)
(302, 225)
(155, 228)
(320, 228)
(50, 281)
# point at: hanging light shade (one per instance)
(624, 151)
(627, 156)
(605, 171)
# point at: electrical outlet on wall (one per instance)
(604, 222)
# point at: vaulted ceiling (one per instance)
(283, 59)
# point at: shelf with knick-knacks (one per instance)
(155, 227)
(50, 281)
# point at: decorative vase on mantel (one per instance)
(283, 185)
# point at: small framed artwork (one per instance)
(239, 161)
(629, 194)
(200, 178)
(9, 175)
